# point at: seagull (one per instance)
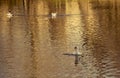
(9, 15)
(54, 14)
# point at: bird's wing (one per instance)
(71, 54)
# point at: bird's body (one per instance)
(54, 14)
(9, 15)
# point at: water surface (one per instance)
(32, 43)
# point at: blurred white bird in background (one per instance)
(54, 14)
(9, 15)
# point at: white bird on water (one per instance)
(54, 14)
(9, 15)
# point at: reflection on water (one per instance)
(32, 43)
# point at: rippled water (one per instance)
(32, 43)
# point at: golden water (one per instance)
(32, 43)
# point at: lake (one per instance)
(32, 41)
